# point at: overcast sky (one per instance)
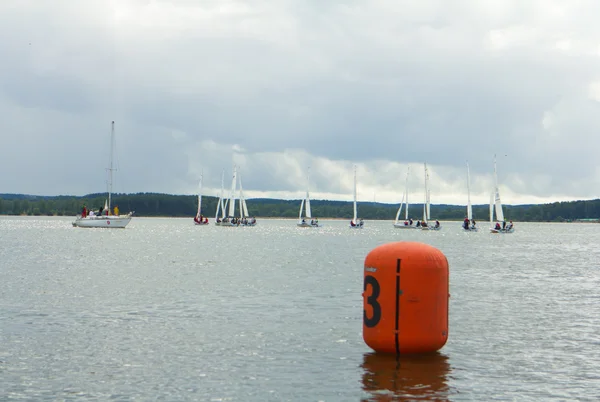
(279, 85)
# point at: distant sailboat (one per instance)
(303, 220)
(220, 206)
(355, 223)
(427, 206)
(199, 219)
(106, 219)
(501, 226)
(407, 223)
(230, 220)
(469, 222)
(245, 218)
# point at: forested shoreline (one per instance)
(168, 205)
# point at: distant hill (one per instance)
(158, 204)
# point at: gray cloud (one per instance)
(297, 83)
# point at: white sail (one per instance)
(241, 198)
(400, 208)
(231, 212)
(243, 206)
(492, 209)
(301, 208)
(428, 204)
(403, 204)
(199, 196)
(220, 200)
(355, 210)
(307, 203)
(469, 208)
(497, 202)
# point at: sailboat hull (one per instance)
(502, 231)
(403, 226)
(307, 225)
(229, 225)
(114, 222)
(430, 228)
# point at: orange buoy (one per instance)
(405, 299)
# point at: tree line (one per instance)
(168, 205)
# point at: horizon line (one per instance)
(284, 199)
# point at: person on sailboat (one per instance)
(116, 210)
(466, 224)
(498, 226)
(510, 226)
(84, 211)
(361, 222)
(504, 224)
(410, 221)
(473, 223)
(418, 224)
(437, 223)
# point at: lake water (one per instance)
(165, 310)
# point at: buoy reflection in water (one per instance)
(388, 377)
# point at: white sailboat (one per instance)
(469, 224)
(108, 218)
(200, 219)
(500, 226)
(220, 206)
(306, 220)
(245, 218)
(355, 223)
(407, 223)
(427, 206)
(491, 210)
(230, 220)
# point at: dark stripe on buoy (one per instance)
(397, 305)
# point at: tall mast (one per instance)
(425, 199)
(355, 211)
(110, 169)
(469, 208)
(308, 213)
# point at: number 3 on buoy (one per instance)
(372, 319)
(405, 298)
